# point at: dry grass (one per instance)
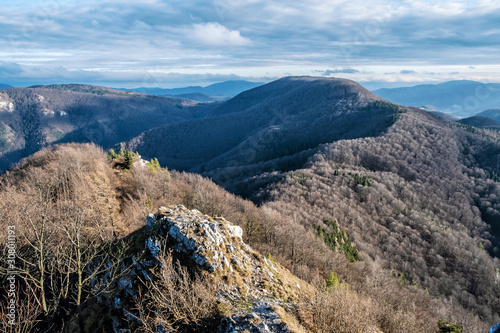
(292, 324)
(336, 310)
(178, 300)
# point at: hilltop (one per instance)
(276, 126)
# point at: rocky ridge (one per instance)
(253, 285)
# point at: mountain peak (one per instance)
(308, 91)
(327, 80)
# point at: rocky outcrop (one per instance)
(262, 318)
(207, 244)
(6, 104)
(212, 243)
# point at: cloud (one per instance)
(339, 71)
(215, 34)
(123, 38)
(9, 69)
(406, 72)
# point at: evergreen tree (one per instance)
(31, 124)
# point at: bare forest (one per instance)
(68, 202)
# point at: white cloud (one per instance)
(215, 34)
(123, 39)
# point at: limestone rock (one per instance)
(214, 244)
(203, 243)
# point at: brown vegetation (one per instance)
(177, 301)
(68, 198)
(430, 213)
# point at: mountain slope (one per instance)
(338, 175)
(480, 121)
(459, 98)
(417, 193)
(107, 266)
(31, 117)
(263, 126)
(422, 200)
(492, 114)
(4, 86)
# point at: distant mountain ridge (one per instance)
(4, 86)
(283, 118)
(459, 98)
(480, 121)
(32, 117)
(492, 114)
(226, 88)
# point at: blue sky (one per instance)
(156, 43)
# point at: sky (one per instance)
(175, 43)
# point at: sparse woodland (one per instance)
(68, 201)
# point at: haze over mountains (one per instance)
(459, 98)
(213, 92)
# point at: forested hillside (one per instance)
(418, 194)
(396, 205)
(421, 200)
(33, 117)
(72, 205)
(273, 127)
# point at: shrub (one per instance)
(446, 327)
(336, 310)
(361, 180)
(177, 300)
(154, 165)
(332, 280)
(338, 239)
(123, 160)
